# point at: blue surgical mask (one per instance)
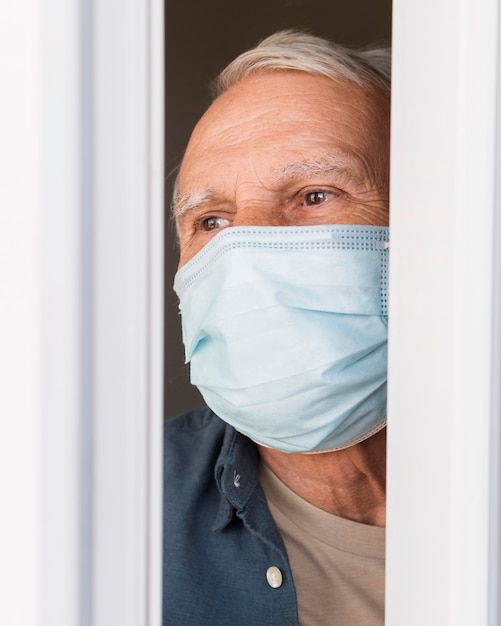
(285, 329)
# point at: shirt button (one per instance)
(274, 577)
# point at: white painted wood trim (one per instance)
(128, 310)
(444, 339)
(81, 320)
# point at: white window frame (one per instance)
(126, 79)
(444, 352)
(82, 336)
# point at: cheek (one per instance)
(184, 247)
(189, 248)
(185, 254)
(370, 215)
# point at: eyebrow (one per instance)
(295, 170)
(324, 165)
(186, 202)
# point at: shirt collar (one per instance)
(236, 474)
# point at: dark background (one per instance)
(201, 39)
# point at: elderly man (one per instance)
(275, 495)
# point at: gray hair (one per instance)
(293, 50)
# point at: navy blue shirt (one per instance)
(219, 535)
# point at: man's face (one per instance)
(285, 149)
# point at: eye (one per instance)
(313, 198)
(211, 223)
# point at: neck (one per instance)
(350, 483)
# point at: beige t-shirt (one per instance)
(337, 564)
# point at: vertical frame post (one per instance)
(443, 434)
(127, 181)
(81, 320)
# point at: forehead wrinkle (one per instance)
(296, 170)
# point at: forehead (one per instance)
(273, 118)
